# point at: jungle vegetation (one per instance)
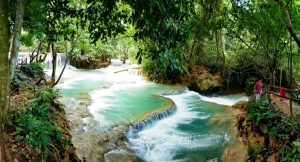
(238, 39)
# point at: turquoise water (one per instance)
(188, 135)
(115, 98)
(122, 98)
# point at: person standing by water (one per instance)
(258, 89)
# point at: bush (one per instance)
(18, 80)
(283, 129)
(33, 70)
(33, 122)
(290, 153)
(163, 69)
(249, 85)
(279, 126)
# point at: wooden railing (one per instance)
(291, 95)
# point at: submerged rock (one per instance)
(120, 156)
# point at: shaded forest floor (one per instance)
(36, 127)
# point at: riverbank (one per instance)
(237, 150)
(36, 128)
(269, 134)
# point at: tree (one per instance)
(288, 22)
(58, 26)
(256, 25)
(16, 35)
(207, 28)
(163, 26)
(4, 70)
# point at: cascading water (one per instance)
(184, 136)
(106, 103)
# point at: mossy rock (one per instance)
(90, 64)
(202, 81)
(240, 105)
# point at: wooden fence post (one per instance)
(291, 104)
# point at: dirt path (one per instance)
(283, 105)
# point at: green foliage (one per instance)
(18, 80)
(290, 153)
(107, 18)
(253, 153)
(33, 70)
(35, 131)
(163, 68)
(33, 122)
(60, 21)
(25, 74)
(35, 18)
(27, 40)
(163, 35)
(92, 54)
(249, 85)
(280, 127)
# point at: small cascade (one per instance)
(139, 126)
(174, 92)
(135, 72)
(61, 58)
(60, 62)
(189, 130)
(228, 100)
(173, 136)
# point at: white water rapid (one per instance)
(164, 140)
(119, 97)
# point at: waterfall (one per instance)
(135, 128)
(139, 126)
(60, 61)
(174, 93)
(190, 130)
(135, 72)
(159, 137)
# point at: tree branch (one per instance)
(288, 21)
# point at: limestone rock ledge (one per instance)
(90, 64)
(201, 80)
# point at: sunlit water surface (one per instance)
(125, 97)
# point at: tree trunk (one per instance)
(32, 56)
(16, 36)
(222, 43)
(4, 70)
(38, 52)
(288, 21)
(192, 51)
(54, 58)
(65, 65)
(217, 39)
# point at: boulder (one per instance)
(240, 105)
(90, 64)
(202, 81)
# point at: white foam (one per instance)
(161, 141)
(102, 97)
(224, 100)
